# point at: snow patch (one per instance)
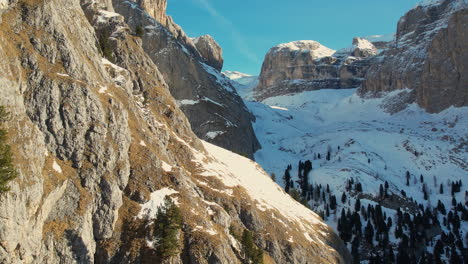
(56, 167)
(150, 208)
(279, 108)
(142, 143)
(166, 167)
(102, 90)
(214, 134)
(187, 102)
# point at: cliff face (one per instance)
(308, 65)
(215, 110)
(429, 57)
(210, 51)
(97, 142)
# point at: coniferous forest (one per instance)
(388, 226)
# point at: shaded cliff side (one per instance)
(213, 107)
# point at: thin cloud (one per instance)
(239, 40)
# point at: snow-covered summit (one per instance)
(244, 83)
(235, 75)
(316, 49)
(361, 47)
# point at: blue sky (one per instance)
(247, 29)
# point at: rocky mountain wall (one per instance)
(307, 65)
(215, 110)
(430, 57)
(96, 140)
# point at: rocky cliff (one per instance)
(429, 57)
(99, 142)
(210, 51)
(307, 65)
(215, 111)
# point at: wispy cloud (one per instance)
(238, 39)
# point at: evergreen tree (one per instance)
(139, 31)
(251, 252)
(355, 250)
(287, 178)
(304, 179)
(105, 46)
(332, 202)
(426, 196)
(343, 198)
(358, 187)
(357, 205)
(441, 189)
(369, 233)
(7, 170)
(168, 224)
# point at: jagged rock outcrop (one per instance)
(429, 57)
(210, 51)
(307, 65)
(97, 140)
(215, 110)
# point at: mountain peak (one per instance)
(316, 49)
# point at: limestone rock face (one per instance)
(215, 110)
(307, 65)
(210, 51)
(96, 139)
(429, 57)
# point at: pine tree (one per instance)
(139, 31)
(105, 46)
(355, 250)
(441, 189)
(307, 168)
(358, 187)
(168, 224)
(357, 205)
(7, 170)
(369, 233)
(251, 252)
(287, 178)
(343, 198)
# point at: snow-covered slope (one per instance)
(294, 127)
(366, 144)
(244, 83)
(242, 178)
